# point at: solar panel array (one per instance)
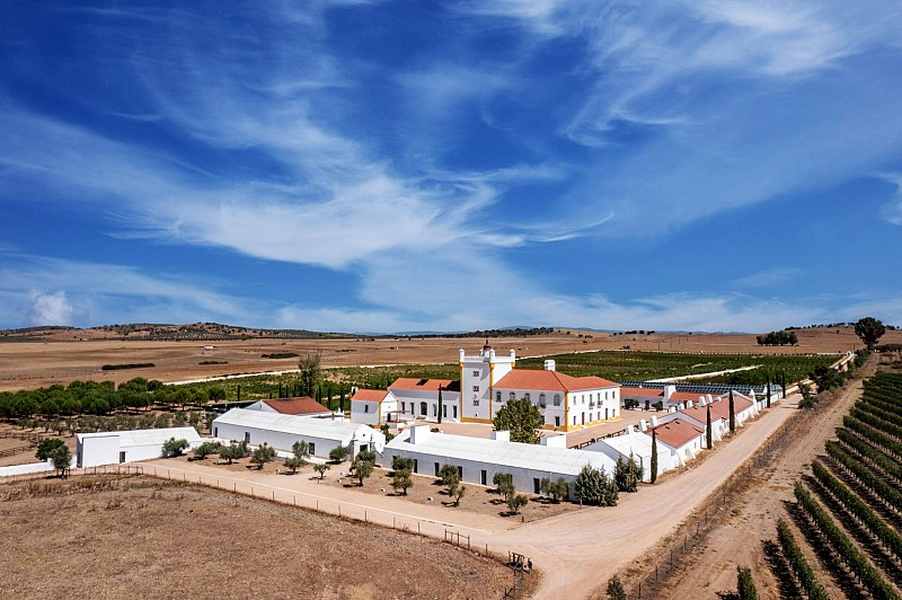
(707, 388)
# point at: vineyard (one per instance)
(849, 509)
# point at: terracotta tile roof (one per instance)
(365, 395)
(539, 379)
(677, 433)
(300, 405)
(414, 384)
(630, 392)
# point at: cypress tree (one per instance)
(708, 435)
(239, 392)
(732, 413)
(768, 392)
(439, 404)
(654, 456)
(341, 401)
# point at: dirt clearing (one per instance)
(135, 537)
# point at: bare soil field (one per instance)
(739, 539)
(477, 499)
(28, 365)
(135, 537)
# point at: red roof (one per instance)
(300, 405)
(720, 409)
(414, 384)
(628, 392)
(365, 395)
(537, 379)
(677, 433)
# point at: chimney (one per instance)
(643, 425)
(654, 421)
(513, 354)
(689, 404)
(628, 431)
(502, 436)
(554, 441)
(550, 364)
(462, 354)
(669, 390)
(419, 433)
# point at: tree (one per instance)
(173, 447)
(745, 585)
(732, 413)
(778, 338)
(61, 458)
(869, 330)
(262, 455)
(555, 490)
(627, 475)
(654, 456)
(362, 468)
(709, 437)
(310, 372)
(338, 453)
(301, 450)
(826, 378)
(808, 400)
(615, 589)
(458, 492)
(321, 470)
(595, 488)
(231, 452)
(206, 449)
(46, 448)
(399, 463)
(515, 502)
(401, 480)
(521, 418)
(504, 484)
(450, 477)
(294, 463)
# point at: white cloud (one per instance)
(768, 278)
(50, 309)
(892, 210)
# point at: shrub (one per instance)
(232, 452)
(401, 464)
(595, 488)
(401, 480)
(515, 502)
(262, 455)
(206, 449)
(62, 460)
(338, 454)
(321, 469)
(173, 447)
(449, 475)
(615, 589)
(555, 490)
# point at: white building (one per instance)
(373, 407)
(421, 398)
(479, 459)
(299, 406)
(117, 447)
(682, 439)
(281, 431)
(697, 414)
(635, 444)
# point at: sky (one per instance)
(399, 166)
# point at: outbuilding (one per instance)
(373, 407)
(635, 445)
(479, 459)
(257, 427)
(681, 439)
(118, 447)
(299, 406)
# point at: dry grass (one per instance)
(135, 537)
(28, 365)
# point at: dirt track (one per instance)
(739, 540)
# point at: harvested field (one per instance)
(33, 364)
(136, 537)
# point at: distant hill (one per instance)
(159, 331)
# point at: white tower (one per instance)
(478, 375)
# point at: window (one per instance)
(121, 457)
(445, 411)
(454, 408)
(526, 396)
(415, 466)
(557, 399)
(434, 410)
(475, 388)
(476, 373)
(216, 432)
(475, 401)
(311, 447)
(536, 485)
(436, 469)
(366, 408)
(557, 421)
(460, 473)
(483, 477)
(512, 396)
(542, 400)
(498, 397)
(247, 437)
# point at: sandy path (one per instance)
(577, 552)
(739, 540)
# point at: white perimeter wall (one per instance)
(98, 450)
(284, 441)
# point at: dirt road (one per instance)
(739, 540)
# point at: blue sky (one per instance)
(398, 166)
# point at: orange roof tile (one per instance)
(414, 384)
(677, 433)
(538, 379)
(626, 392)
(365, 395)
(300, 405)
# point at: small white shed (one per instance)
(117, 447)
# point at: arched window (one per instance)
(526, 396)
(542, 400)
(557, 400)
(512, 396)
